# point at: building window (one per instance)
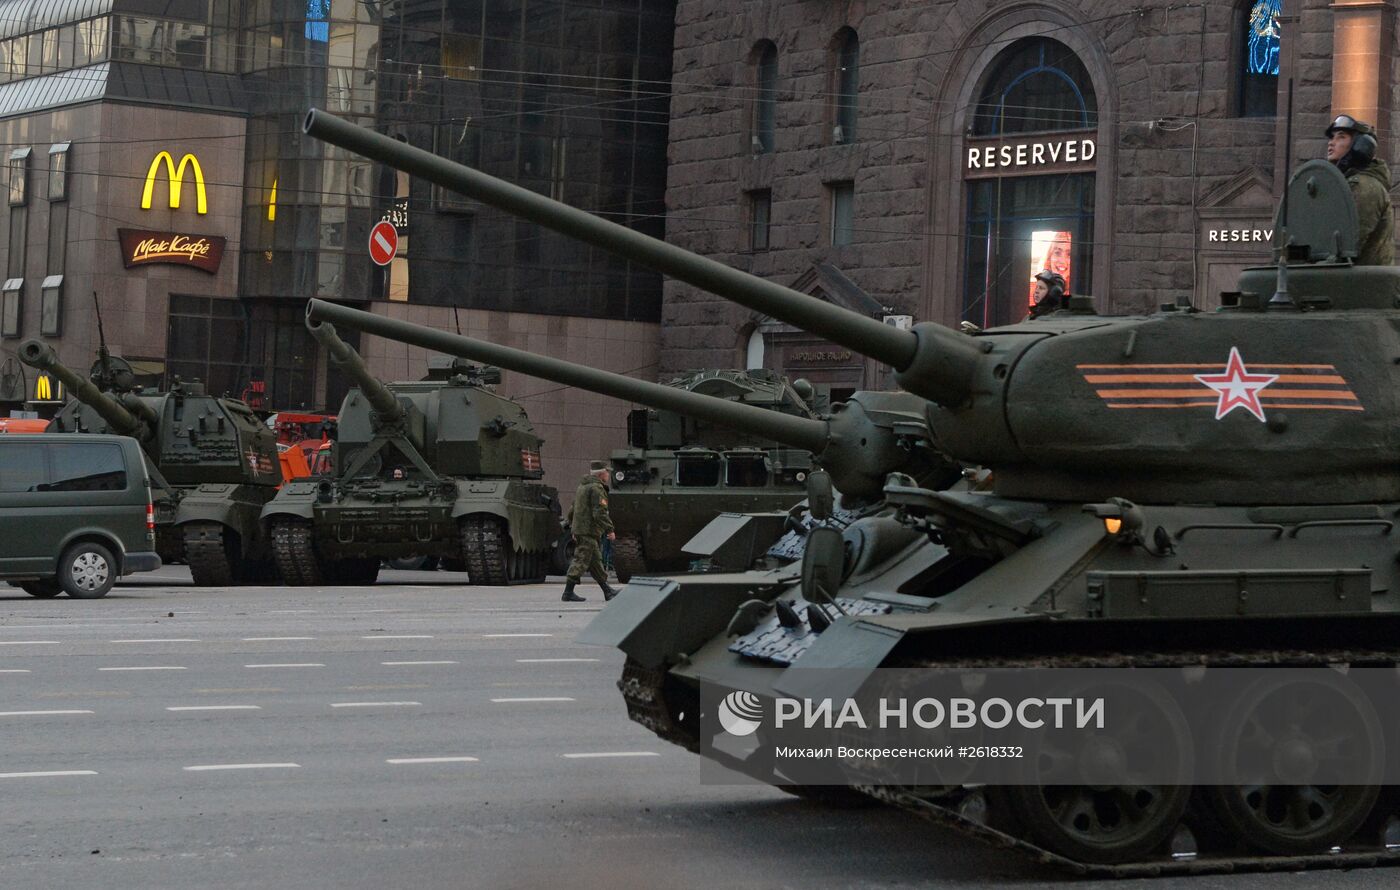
(1259, 58)
(1036, 111)
(51, 306)
(843, 211)
(11, 307)
(19, 177)
(765, 104)
(58, 171)
(760, 218)
(845, 86)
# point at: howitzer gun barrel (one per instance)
(934, 361)
(798, 432)
(120, 417)
(380, 398)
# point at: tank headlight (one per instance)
(801, 477)
(1113, 525)
(619, 475)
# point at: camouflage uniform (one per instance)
(589, 521)
(1370, 186)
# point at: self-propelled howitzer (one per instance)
(439, 467)
(212, 463)
(1181, 490)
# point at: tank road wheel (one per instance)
(1295, 732)
(1083, 797)
(627, 557)
(295, 553)
(485, 550)
(213, 554)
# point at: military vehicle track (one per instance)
(627, 557)
(491, 557)
(645, 693)
(207, 553)
(293, 550)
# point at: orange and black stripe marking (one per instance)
(1168, 386)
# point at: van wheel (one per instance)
(45, 589)
(87, 571)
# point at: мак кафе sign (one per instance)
(143, 248)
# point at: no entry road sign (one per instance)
(383, 242)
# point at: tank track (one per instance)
(628, 558)
(207, 554)
(643, 690)
(295, 554)
(490, 556)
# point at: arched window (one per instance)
(1029, 166)
(1036, 85)
(845, 85)
(1258, 48)
(753, 354)
(765, 102)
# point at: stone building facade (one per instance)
(925, 159)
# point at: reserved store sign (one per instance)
(1060, 153)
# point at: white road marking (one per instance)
(39, 713)
(272, 639)
(394, 663)
(375, 704)
(397, 637)
(292, 612)
(364, 611)
(218, 766)
(14, 671)
(512, 636)
(411, 760)
(505, 701)
(309, 664)
(553, 660)
(166, 640)
(596, 754)
(49, 774)
(28, 642)
(146, 668)
(215, 708)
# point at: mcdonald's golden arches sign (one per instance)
(47, 389)
(175, 177)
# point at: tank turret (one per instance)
(866, 438)
(135, 419)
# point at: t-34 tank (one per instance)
(1181, 490)
(213, 465)
(439, 467)
(678, 472)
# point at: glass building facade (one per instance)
(566, 97)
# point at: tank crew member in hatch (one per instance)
(1352, 146)
(1049, 293)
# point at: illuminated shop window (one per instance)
(1259, 58)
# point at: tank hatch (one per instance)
(1322, 222)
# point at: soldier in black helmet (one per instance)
(589, 523)
(1351, 145)
(1049, 293)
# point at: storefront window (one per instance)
(1029, 167)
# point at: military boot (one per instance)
(569, 595)
(608, 592)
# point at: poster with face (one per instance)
(1050, 250)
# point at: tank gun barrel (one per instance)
(380, 398)
(932, 361)
(798, 432)
(119, 416)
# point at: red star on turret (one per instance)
(1237, 387)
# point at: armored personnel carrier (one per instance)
(441, 467)
(1181, 490)
(212, 463)
(678, 472)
